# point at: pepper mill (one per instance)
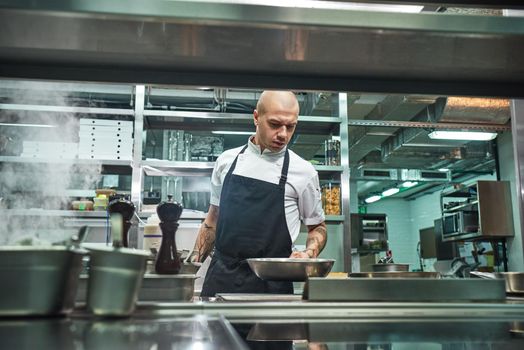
(126, 209)
(167, 260)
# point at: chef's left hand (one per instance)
(300, 255)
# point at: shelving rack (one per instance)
(138, 168)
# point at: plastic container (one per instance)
(82, 205)
(152, 233)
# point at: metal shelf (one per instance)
(66, 109)
(214, 121)
(54, 213)
(423, 52)
(158, 167)
(450, 210)
(110, 162)
(335, 218)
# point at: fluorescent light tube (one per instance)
(390, 192)
(462, 135)
(29, 125)
(372, 199)
(409, 184)
(227, 132)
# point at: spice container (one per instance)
(332, 152)
(331, 198)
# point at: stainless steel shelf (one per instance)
(54, 213)
(66, 109)
(112, 162)
(159, 167)
(450, 210)
(214, 121)
(335, 218)
(423, 52)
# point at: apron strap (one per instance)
(285, 167)
(283, 174)
(232, 168)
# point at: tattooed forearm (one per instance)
(206, 235)
(316, 239)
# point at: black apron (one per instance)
(251, 224)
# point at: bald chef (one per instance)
(260, 194)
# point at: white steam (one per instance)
(45, 182)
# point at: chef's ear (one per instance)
(255, 117)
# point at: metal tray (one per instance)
(290, 269)
(241, 297)
(395, 274)
(155, 287)
(390, 267)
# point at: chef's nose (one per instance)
(282, 131)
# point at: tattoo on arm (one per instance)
(206, 235)
(316, 239)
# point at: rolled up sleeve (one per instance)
(310, 203)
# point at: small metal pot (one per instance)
(514, 281)
(115, 277)
(39, 281)
(390, 267)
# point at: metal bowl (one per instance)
(395, 274)
(289, 269)
(390, 267)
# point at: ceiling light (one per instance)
(409, 184)
(443, 170)
(462, 135)
(227, 132)
(372, 199)
(30, 125)
(390, 192)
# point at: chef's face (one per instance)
(275, 124)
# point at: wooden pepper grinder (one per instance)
(167, 260)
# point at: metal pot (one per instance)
(115, 277)
(390, 267)
(514, 281)
(39, 280)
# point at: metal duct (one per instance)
(364, 140)
(475, 110)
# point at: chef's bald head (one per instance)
(277, 100)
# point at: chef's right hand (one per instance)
(300, 255)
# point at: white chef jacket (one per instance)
(302, 191)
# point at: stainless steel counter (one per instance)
(275, 325)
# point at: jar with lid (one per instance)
(331, 198)
(332, 152)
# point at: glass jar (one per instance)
(331, 199)
(332, 152)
